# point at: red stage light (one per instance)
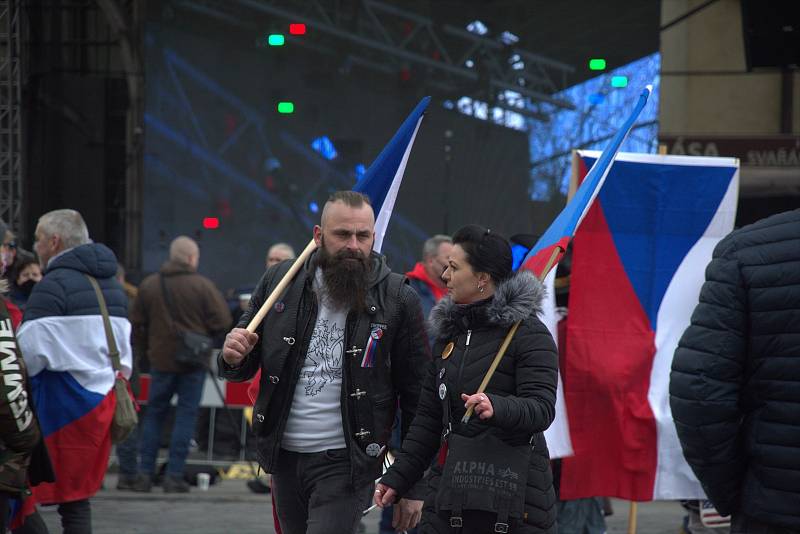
(297, 29)
(210, 223)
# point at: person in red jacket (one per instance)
(426, 276)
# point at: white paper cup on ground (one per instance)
(203, 481)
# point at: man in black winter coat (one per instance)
(735, 383)
(345, 343)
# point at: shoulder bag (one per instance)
(193, 350)
(125, 417)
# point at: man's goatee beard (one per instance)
(346, 277)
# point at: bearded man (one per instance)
(343, 345)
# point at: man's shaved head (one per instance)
(184, 249)
(348, 198)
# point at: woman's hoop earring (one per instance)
(481, 288)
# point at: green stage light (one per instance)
(619, 81)
(285, 107)
(276, 39)
(597, 64)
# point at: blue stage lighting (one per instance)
(324, 146)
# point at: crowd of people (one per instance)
(447, 369)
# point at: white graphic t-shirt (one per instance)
(315, 418)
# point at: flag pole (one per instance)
(281, 287)
(632, 517)
(549, 265)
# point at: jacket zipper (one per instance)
(461, 365)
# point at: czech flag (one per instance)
(638, 263)
(553, 243)
(72, 387)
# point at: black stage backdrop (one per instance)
(216, 147)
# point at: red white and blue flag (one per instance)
(546, 253)
(551, 246)
(638, 263)
(382, 180)
(72, 388)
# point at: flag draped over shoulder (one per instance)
(638, 263)
(72, 388)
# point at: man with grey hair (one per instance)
(175, 300)
(278, 253)
(57, 232)
(64, 343)
(426, 276)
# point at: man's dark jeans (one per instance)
(313, 493)
(128, 452)
(189, 388)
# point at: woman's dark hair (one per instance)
(23, 259)
(487, 252)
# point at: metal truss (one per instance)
(10, 115)
(387, 38)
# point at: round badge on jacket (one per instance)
(442, 390)
(448, 350)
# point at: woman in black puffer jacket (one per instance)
(485, 299)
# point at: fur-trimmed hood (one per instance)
(515, 299)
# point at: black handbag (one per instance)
(193, 350)
(486, 474)
(483, 473)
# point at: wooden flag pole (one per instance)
(492, 368)
(632, 517)
(281, 287)
(549, 264)
(507, 340)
